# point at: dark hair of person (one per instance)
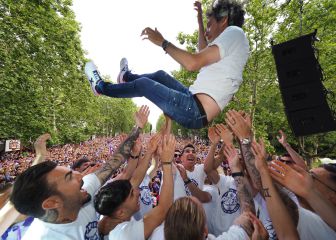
(31, 189)
(111, 196)
(227, 8)
(189, 145)
(78, 163)
(331, 168)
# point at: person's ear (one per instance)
(224, 22)
(120, 213)
(52, 203)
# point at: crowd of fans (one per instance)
(163, 187)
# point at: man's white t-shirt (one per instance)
(228, 207)
(311, 226)
(261, 208)
(197, 177)
(83, 228)
(211, 208)
(146, 203)
(132, 229)
(222, 79)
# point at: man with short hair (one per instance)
(189, 179)
(61, 199)
(223, 53)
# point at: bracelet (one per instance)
(164, 44)
(186, 182)
(237, 174)
(166, 163)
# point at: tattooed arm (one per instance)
(244, 189)
(283, 223)
(241, 127)
(124, 150)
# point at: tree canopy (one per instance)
(43, 88)
(259, 93)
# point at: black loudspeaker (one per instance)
(300, 80)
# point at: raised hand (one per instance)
(40, 146)
(259, 231)
(232, 157)
(182, 171)
(141, 116)
(198, 8)
(282, 138)
(168, 148)
(259, 152)
(152, 35)
(212, 135)
(136, 150)
(292, 177)
(241, 126)
(224, 133)
(154, 142)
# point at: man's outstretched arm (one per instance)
(190, 61)
(124, 150)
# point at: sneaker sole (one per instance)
(93, 76)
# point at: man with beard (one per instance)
(60, 198)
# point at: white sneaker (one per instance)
(123, 70)
(93, 76)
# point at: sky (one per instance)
(110, 30)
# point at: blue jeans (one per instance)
(173, 98)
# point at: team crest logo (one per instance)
(229, 202)
(91, 232)
(145, 195)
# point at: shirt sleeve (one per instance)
(234, 233)
(224, 183)
(228, 40)
(128, 230)
(91, 183)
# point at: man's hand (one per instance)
(153, 143)
(152, 35)
(240, 126)
(141, 116)
(182, 171)
(213, 136)
(292, 177)
(198, 8)
(259, 232)
(137, 147)
(40, 146)
(224, 133)
(168, 148)
(259, 152)
(282, 138)
(244, 221)
(232, 157)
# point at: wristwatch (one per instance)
(245, 141)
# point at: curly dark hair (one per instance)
(227, 8)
